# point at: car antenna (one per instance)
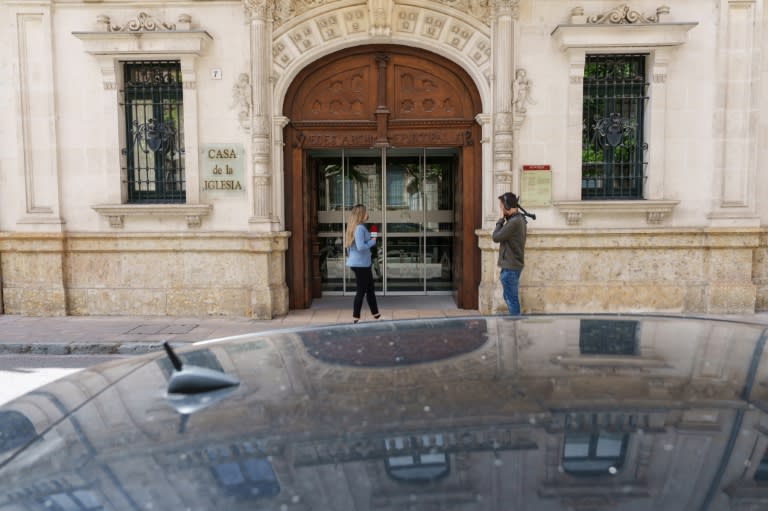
(174, 359)
(195, 379)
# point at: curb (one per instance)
(80, 348)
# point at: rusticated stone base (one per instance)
(172, 274)
(686, 270)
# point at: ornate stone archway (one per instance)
(381, 97)
(286, 36)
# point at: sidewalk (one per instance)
(85, 335)
(102, 335)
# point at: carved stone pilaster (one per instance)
(504, 122)
(262, 202)
(277, 11)
(503, 183)
(261, 9)
(506, 8)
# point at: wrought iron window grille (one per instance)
(614, 154)
(154, 117)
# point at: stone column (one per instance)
(503, 36)
(261, 150)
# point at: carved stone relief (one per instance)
(521, 92)
(241, 100)
(422, 94)
(278, 10)
(357, 21)
(143, 22)
(621, 15)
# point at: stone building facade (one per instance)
(197, 158)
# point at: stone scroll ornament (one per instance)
(623, 15)
(143, 23)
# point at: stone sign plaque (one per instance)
(536, 185)
(221, 167)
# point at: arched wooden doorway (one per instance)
(393, 127)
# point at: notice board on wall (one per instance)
(536, 185)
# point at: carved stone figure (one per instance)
(521, 92)
(241, 95)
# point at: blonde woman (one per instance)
(358, 242)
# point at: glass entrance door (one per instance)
(409, 194)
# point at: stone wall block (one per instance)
(87, 270)
(34, 301)
(116, 302)
(216, 269)
(727, 298)
(614, 297)
(152, 270)
(24, 269)
(208, 302)
(32, 283)
(734, 265)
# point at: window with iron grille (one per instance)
(613, 149)
(154, 122)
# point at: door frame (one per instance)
(376, 130)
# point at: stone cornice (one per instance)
(116, 212)
(625, 36)
(654, 210)
(136, 43)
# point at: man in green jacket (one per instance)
(510, 232)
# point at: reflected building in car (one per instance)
(490, 413)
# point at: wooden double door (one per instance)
(393, 128)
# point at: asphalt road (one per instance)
(22, 373)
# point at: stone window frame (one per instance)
(576, 40)
(145, 39)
